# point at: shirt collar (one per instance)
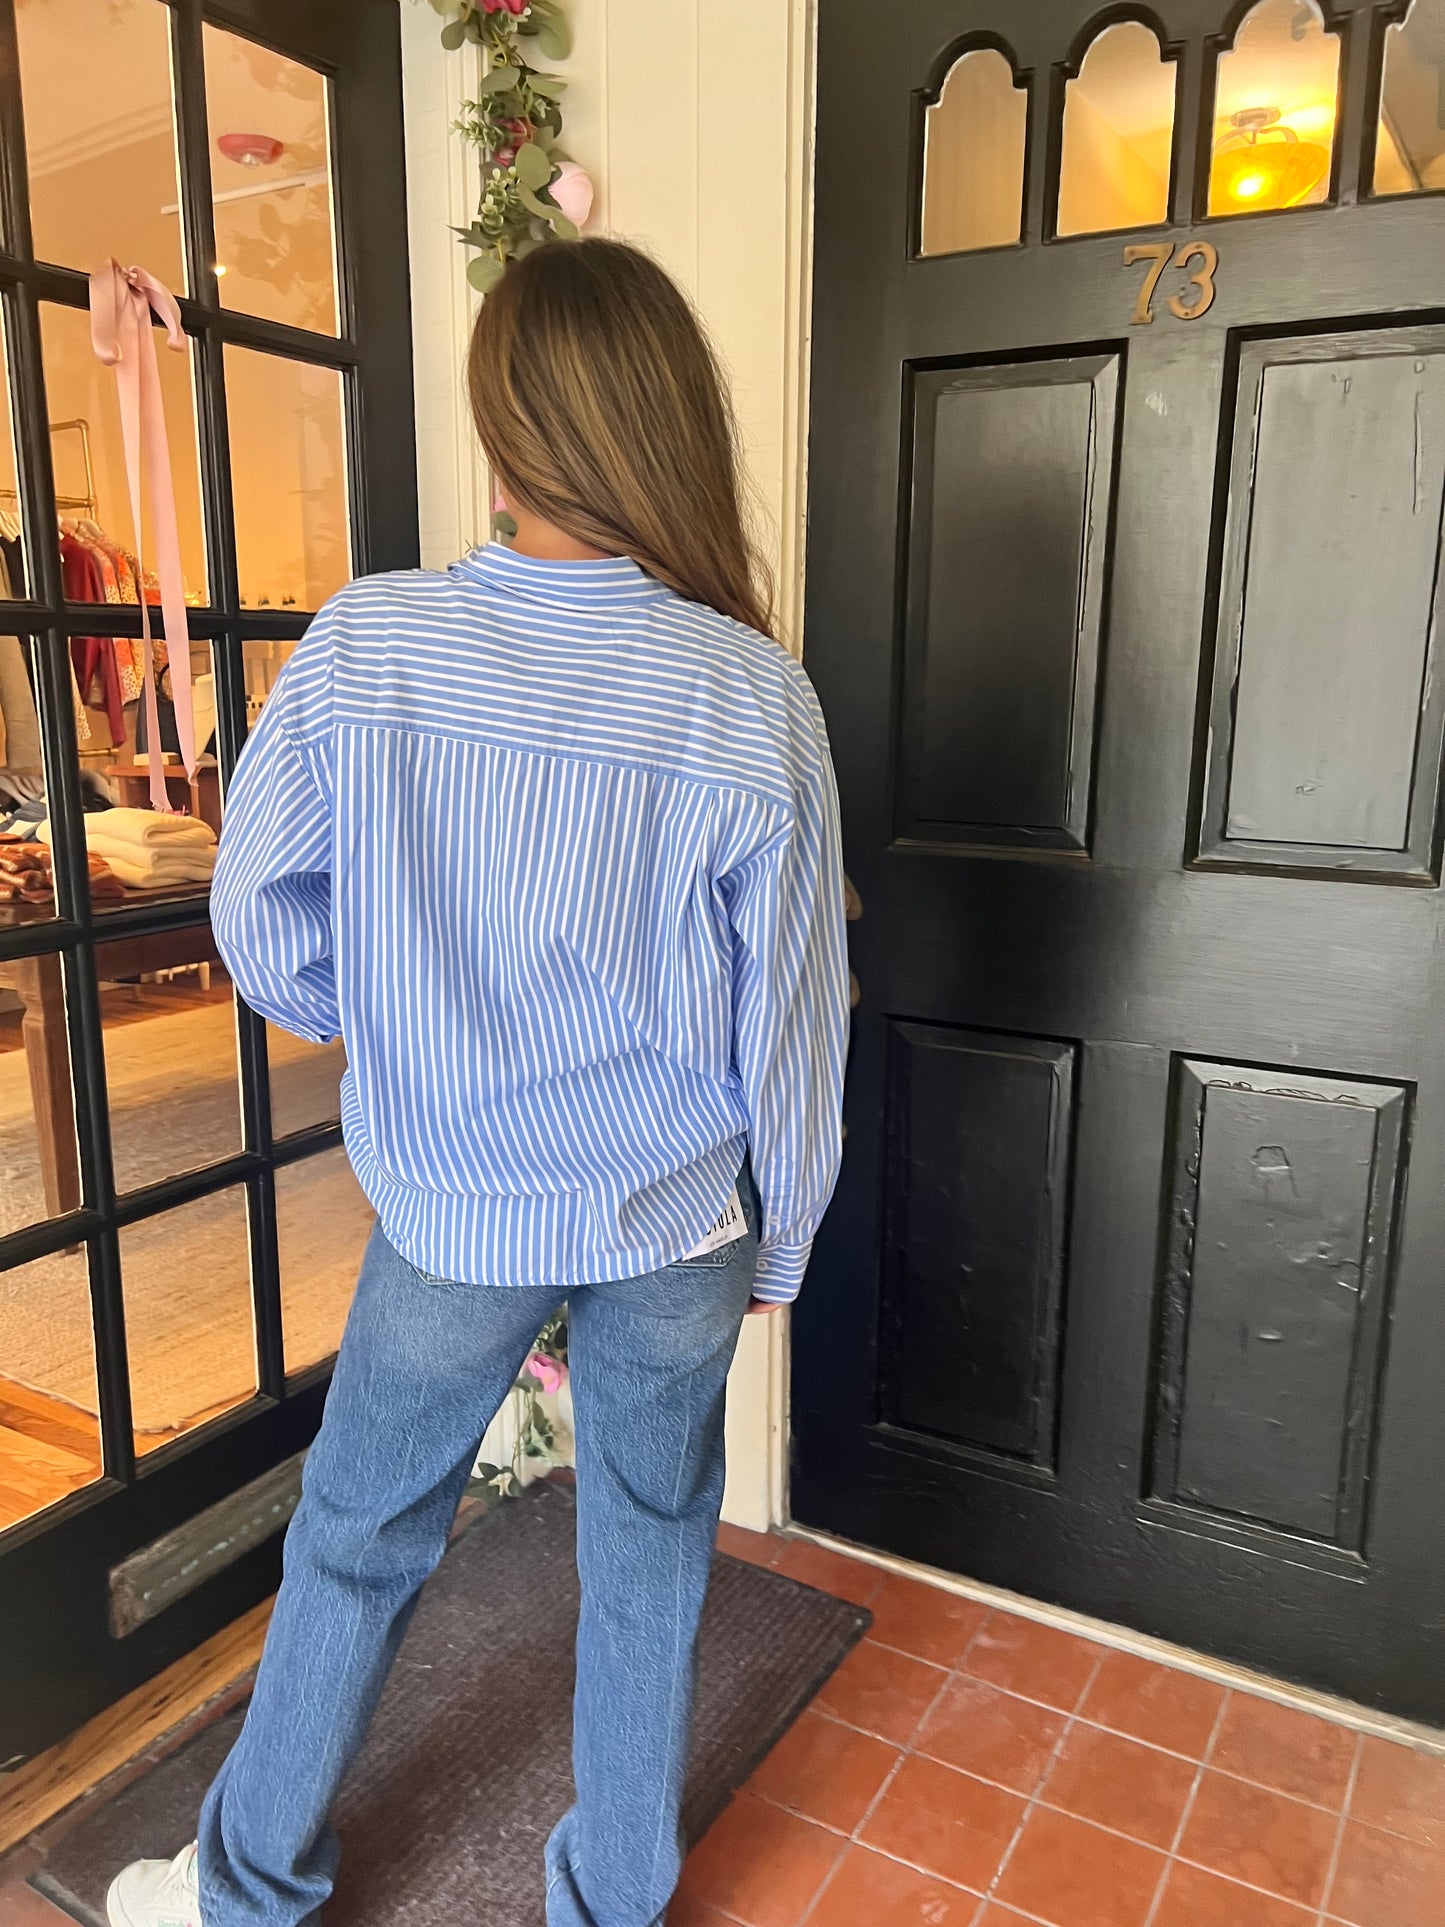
(613, 581)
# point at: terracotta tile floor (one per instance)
(968, 1768)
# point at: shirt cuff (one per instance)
(779, 1276)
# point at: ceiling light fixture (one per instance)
(1270, 167)
(251, 150)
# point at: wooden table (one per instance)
(40, 984)
(201, 796)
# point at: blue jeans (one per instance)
(423, 1367)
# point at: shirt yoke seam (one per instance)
(559, 755)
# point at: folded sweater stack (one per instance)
(26, 875)
(151, 851)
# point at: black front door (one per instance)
(1127, 478)
(179, 1231)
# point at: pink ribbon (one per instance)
(121, 332)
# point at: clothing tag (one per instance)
(729, 1224)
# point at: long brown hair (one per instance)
(601, 407)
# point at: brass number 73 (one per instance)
(1161, 254)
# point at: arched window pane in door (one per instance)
(1276, 101)
(975, 138)
(1410, 148)
(1118, 134)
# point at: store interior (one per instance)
(102, 151)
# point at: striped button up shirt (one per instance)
(556, 853)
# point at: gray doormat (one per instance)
(468, 1765)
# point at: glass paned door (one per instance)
(178, 1228)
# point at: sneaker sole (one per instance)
(114, 1912)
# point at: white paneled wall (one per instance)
(694, 118)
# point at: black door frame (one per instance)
(59, 1662)
(882, 316)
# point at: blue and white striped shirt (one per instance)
(556, 852)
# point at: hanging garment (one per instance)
(94, 657)
(19, 724)
(119, 569)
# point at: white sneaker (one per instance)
(156, 1893)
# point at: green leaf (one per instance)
(504, 524)
(484, 271)
(562, 227)
(444, 7)
(501, 80)
(549, 86)
(454, 35)
(534, 165)
(554, 39)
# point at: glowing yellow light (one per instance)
(1319, 119)
(1270, 167)
(220, 268)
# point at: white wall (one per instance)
(694, 118)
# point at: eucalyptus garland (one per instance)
(532, 192)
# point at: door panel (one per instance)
(979, 1140)
(1326, 720)
(1003, 668)
(1275, 1295)
(1123, 615)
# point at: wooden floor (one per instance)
(47, 1448)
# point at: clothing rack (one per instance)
(87, 502)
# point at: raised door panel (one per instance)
(1325, 730)
(979, 1137)
(1008, 544)
(1275, 1290)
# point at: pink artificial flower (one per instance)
(521, 130)
(550, 1373)
(518, 7)
(572, 191)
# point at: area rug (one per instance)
(175, 1105)
(467, 1769)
